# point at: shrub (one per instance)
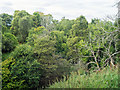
(23, 51)
(9, 42)
(26, 67)
(53, 65)
(8, 80)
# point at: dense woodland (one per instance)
(38, 50)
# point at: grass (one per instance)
(106, 78)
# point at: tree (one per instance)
(44, 51)
(65, 25)
(72, 54)
(6, 19)
(101, 48)
(95, 21)
(21, 24)
(25, 26)
(36, 19)
(35, 33)
(80, 27)
(6, 22)
(9, 42)
(8, 80)
(61, 40)
(50, 62)
(47, 21)
(26, 67)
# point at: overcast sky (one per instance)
(60, 8)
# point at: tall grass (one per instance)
(106, 78)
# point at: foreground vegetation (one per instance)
(37, 50)
(107, 78)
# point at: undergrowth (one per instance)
(107, 78)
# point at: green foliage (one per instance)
(81, 22)
(47, 21)
(95, 21)
(65, 25)
(23, 51)
(26, 67)
(73, 54)
(40, 19)
(50, 49)
(80, 28)
(34, 33)
(61, 40)
(52, 64)
(8, 80)
(6, 22)
(44, 47)
(36, 19)
(9, 42)
(104, 79)
(21, 24)
(25, 25)
(5, 56)
(117, 25)
(6, 19)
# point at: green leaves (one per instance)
(21, 23)
(80, 28)
(35, 33)
(6, 19)
(8, 80)
(103, 79)
(9, 42)
(65, 25)
(26, 67)
(48, 48)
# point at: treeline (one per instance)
(37, 49)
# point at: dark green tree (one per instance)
(9, 42)
(6, 19)
(80, 27)
(21, 24)
(36, 19)
(65, 25)
(26, 67)
(6, 22)
(61, 40)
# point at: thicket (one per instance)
(40, 49)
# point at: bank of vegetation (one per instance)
(38, 51)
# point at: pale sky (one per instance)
(71, 9)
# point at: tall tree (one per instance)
(65, 25)
(6, 22)
(80, 27)
(6, 19)
(36, 19)
(21, 24)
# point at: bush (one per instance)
(9, 81)
(9, 42)
(53, 65)
(26, 67)
(23, 51)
